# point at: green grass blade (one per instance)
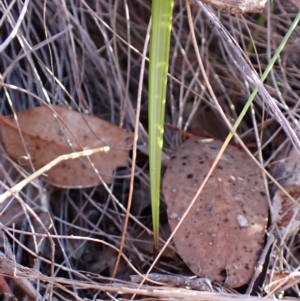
(267, 71)
(158, 68)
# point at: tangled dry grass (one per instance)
(86, 55)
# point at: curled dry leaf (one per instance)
(285, 211)
(48, 134)
(286, 168)
(223, 234)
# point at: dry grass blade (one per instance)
(249, 73)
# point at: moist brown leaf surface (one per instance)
(223, 234)
(48, 134)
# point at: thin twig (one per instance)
(75, 155)
(200, 284)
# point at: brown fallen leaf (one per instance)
(48, 134)
(223, 234)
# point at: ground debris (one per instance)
(196, 283)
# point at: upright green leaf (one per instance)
(158, 68)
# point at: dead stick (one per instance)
(23, 183)
(200, 284)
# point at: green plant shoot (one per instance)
(161, 22)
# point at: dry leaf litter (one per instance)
(223, 235)
(51, 132)
(86, 57)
